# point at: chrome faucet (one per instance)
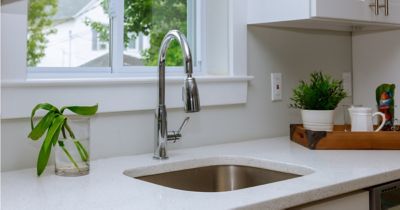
(190, 95)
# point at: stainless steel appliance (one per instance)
(385, 196)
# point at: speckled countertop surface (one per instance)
(326, 174)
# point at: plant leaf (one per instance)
(81, 110)
(42, 126)
(71, 133)
(61, 144)
(82, 151)
(321, 93)
(57, 133)
(52, 135)
(45, 106)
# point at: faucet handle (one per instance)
(184, 123)
(176, 135)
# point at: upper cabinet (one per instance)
(358, 10)
(343, 15)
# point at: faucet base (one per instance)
(159, 158)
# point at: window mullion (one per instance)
(117, 34)
(201, 32)
(190, 20)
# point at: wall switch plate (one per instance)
(276, 86)
(347, 83)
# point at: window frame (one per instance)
(116, 51)
(118, 92)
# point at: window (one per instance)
(221, 46)
(91, 33)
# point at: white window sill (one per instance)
(115, 94)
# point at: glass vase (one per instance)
(72, 148)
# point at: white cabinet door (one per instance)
(358, 10)
(323, 14)
(394, 13)
(267, 11)
(353, 201)
(355, 10)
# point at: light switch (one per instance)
(276, 86)
(347, 83)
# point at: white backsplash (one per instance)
(294, 53)
(376, 61)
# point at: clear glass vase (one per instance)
(72, 148)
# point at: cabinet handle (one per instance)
(376, 7)
(386, 7)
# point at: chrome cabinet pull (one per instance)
(376, 7)
(386, 7)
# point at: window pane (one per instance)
(145, 24)
(68, 33)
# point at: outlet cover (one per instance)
(276, 86)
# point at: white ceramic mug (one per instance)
(361, 119)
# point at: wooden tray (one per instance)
(339, 139)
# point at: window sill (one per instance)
(115, 94)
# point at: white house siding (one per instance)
(64, 50)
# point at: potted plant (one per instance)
(68, 134)
(318, 100)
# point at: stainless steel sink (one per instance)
(217, 178)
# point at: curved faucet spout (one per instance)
(186, 54)
(190, 95)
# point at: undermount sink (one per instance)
(221, 174)
(217, 178)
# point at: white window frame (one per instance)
(20, 92)
(116, 50)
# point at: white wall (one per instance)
(217, 49)
(376, 61)
(13, 12)
(294, 53)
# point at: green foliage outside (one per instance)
(153, 18)
(39, 27)
(322, 93)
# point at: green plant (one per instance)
(322, 93)
(56, 124)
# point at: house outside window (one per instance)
(81, 33)
(97, 43)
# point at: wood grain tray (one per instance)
(339, 139)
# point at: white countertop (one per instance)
(327, 173)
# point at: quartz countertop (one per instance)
(325, 174)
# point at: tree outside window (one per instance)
(39, 26)
(145, 21)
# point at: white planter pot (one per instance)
(318, 120)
